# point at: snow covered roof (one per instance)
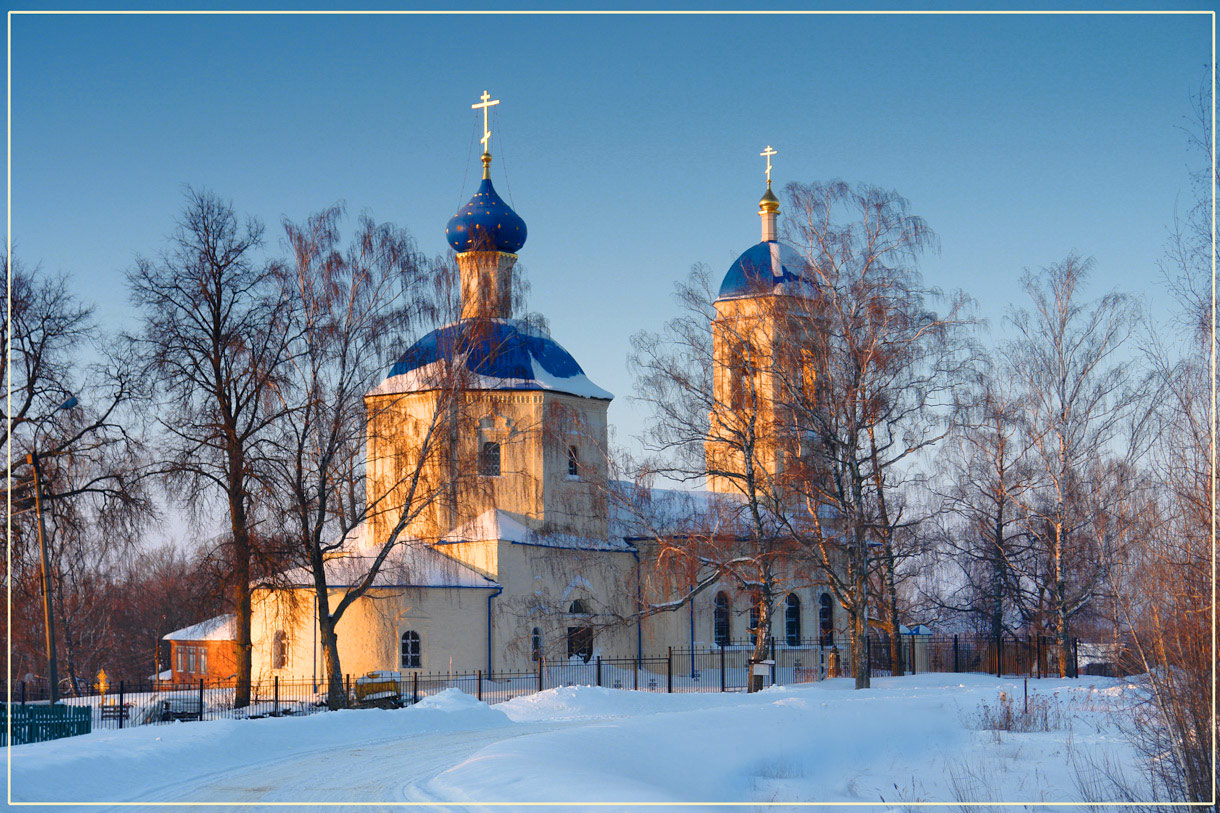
(220, 628)
(642, 512)
(495, 524)
(498, 354)
(410, 564)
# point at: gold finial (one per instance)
(768, 203)
(486, 103)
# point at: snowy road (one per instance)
(393, 770)
(909, 739)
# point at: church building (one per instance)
(532, 560)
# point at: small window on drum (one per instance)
(489, 459)
(412, 655)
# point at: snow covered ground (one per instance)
(909, 739)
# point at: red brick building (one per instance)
(205, 650)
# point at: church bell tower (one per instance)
(750, 336)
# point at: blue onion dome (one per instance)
(500, 354)
(486, 223)
(769, 267)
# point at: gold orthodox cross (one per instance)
(487, 133)
(767, 153)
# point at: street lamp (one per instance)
(48, 616)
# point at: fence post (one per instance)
(955, 665)
(1038, 654)
(23, 692)
(414, 688)
(1075, 657)
(636, 682)
(999, 654)
(275, 707)
(772, 647)
(201, 700)
(912, 663)
(348, 687)
(669, 671)
(479, 686)
(121, 693)
(540, 672)
(599, 670)
(722, 684)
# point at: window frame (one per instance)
(826, 619)
(279, 650)
(485, 458)
(416, 641)
(721, 617)
(535, 644)
(792, 620)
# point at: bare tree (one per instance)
(212, 348)
(71, 396)
(1080, 401)
(708, 381)
(874, 388)
(986, 474)
(1168, 595)
(348, 309)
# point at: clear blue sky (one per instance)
(629, 144)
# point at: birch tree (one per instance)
(1079, 396)
(699, 434)
(349, 308)
(875, 387)
(987, 473)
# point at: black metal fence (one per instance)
(712, 669)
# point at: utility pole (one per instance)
(49, 617)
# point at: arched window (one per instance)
(826, 620)
(279, 650)
(536, 644)
(720, 619)
(753, 622)
(489, 459)
(738, 371)
(573, 462)
(412, 655)
(792, 620)
(580, 634)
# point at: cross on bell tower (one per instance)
(768, 207)
(486, 104)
